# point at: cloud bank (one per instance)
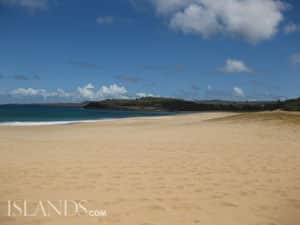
(87, 92)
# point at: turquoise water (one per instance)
(28, 114)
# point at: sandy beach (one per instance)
(205, 168)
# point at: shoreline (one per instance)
(69, 122)
(87, 121)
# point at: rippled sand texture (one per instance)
(177, 170)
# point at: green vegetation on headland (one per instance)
(279, 116)
(291, 105)
(171, 104)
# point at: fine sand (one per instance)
(206, 169)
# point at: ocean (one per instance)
(23, 115)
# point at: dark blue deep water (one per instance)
(28, 114)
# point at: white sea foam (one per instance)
(49, 123)
(46, 123)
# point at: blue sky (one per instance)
(72, 50)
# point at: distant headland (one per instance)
(172, 104)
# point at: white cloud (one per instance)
(168, 6)
(23, 92)
(143, 95)
(196, 19)
(62, 94)
(295, 58)
(87, 92)
(238, 92)
(253, 20)
(112, 91)
(235, 66)
(29, 4)
(291, 28)
(43, 93)
(105, 20)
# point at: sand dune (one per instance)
(175, 170)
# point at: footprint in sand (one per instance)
(229, 204)
(155, 208)
(295, 203)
